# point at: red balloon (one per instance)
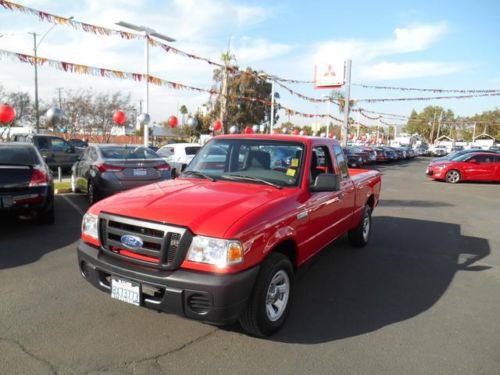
(173, 122)
(351, 136)
(296, 132)
(7, 114)
(217, 125)
(330, 135)
(119, 117)
(276, 131)
(248, 130)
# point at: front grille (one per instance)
(163, 246)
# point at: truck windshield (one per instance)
(276, 162)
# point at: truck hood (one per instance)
(205, 207)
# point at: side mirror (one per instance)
(326, 182)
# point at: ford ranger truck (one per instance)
(222, 242)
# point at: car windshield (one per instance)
(17, 156)
(128, 152)
(246, 160)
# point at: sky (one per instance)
(425, 44)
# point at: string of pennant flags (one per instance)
(69, 67)
(100, 30)
(109, 73)
(460, 91)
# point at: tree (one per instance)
(243, 111)
(183, 110)
(103, 108)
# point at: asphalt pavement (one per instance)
(422, 298)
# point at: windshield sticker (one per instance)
(294, 163)
(291, 172)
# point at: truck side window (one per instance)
(320, 162)
(43, 143)
(339, 155)
(60, 145)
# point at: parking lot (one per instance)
(422, 298)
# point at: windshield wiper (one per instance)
(198, 174)
(250, 178)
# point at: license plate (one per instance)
(7, 201)
(126, 291)
(140, 172)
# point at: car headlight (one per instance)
(89, 225)
(440, 166)
(215, 251)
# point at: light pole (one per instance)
(35, 52)
(148, 33)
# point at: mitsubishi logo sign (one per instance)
(329, 74)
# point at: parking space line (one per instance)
(72, 204)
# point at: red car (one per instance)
(477, 166)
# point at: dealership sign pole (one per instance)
(347, 107)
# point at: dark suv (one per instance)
(55, 150)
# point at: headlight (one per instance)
(441, 166)
(215, 251)
(89, 225)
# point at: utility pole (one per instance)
(432, 129)
(347, 100)
(439, 124)
(271, 123)
(378, 131)
(35, 63)
(59, 89)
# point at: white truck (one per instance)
(178, 155)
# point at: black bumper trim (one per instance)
(226, 294)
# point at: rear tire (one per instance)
(359, 236)
(453, 176)
(271, 297)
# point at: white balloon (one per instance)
(233, 129)
(54, 115)
(301, 132)
(255, 128)
(192, 122)
(262, 128)
(144, 118)
(284, 130)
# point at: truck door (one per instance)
(325, 209)
(63, 153)
(346, 188)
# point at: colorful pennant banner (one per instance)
(460, 91)
(137, 77)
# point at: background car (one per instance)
(55, 150)
(475, 166)
(179, 155)
(26, 185)
(439, 150)
(105, 169)
(80, 143)
(354, 160)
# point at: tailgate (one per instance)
(138, 170)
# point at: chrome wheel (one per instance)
(366, 227)
(453, 176)
(277, 296)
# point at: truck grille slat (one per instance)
(163, 246)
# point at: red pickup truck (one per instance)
(221, 243)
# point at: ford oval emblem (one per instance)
(132, 242)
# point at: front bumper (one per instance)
(213, 298)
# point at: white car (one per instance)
(439, 150)
(178, 155)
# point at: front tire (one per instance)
(271, 297)
(359, 236)
(453, 176)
